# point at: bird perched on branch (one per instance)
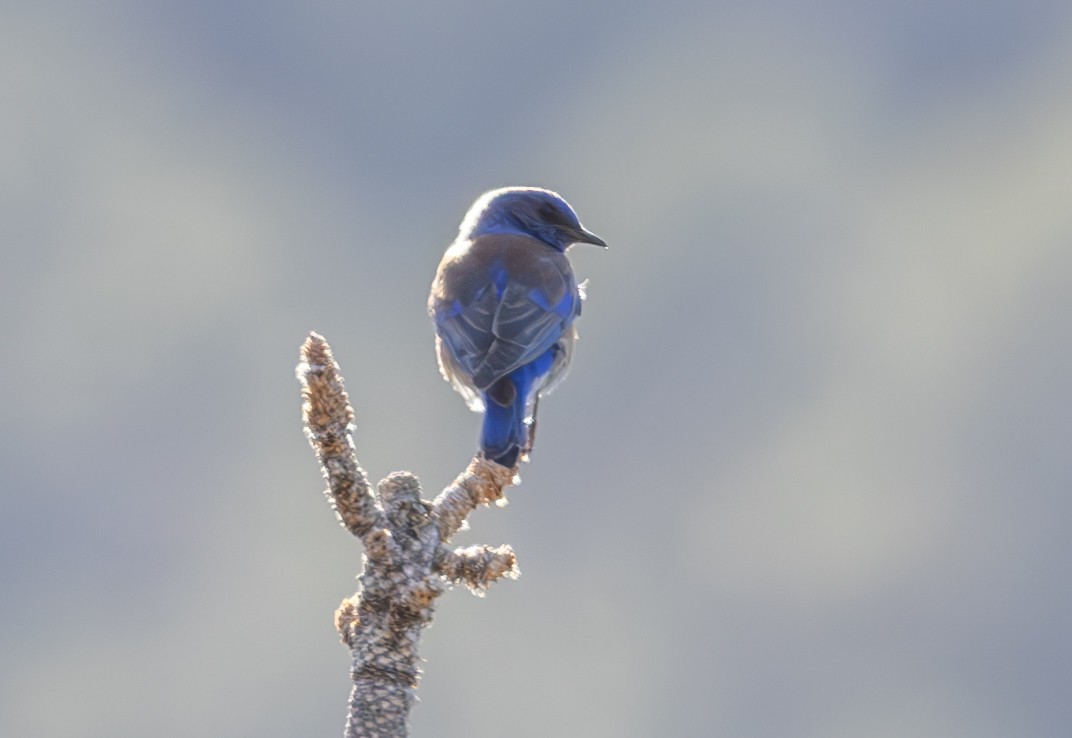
(503, 302)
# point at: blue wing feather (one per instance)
(525, 304)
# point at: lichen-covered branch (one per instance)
(481, 483)
(329, 422)
(477, 566)
(407, 562)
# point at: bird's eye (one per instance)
(550, 214)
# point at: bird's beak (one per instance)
(584, 236)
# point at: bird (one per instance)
(503, 303)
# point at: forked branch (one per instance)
(407, 562)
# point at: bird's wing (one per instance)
(458, 376)
(466, 328)
(499, 331)
(525, 326)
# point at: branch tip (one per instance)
(477, 567)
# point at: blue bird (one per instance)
(503, 302)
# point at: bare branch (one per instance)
(329, 422)
(477, 566)
(482, 483)
(407, 565)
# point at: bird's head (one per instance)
(530, 211)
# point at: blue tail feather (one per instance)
(505, 434)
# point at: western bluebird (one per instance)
(503, 302)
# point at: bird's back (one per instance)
(498, 302)
(467, 266)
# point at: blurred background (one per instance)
(810, 474)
